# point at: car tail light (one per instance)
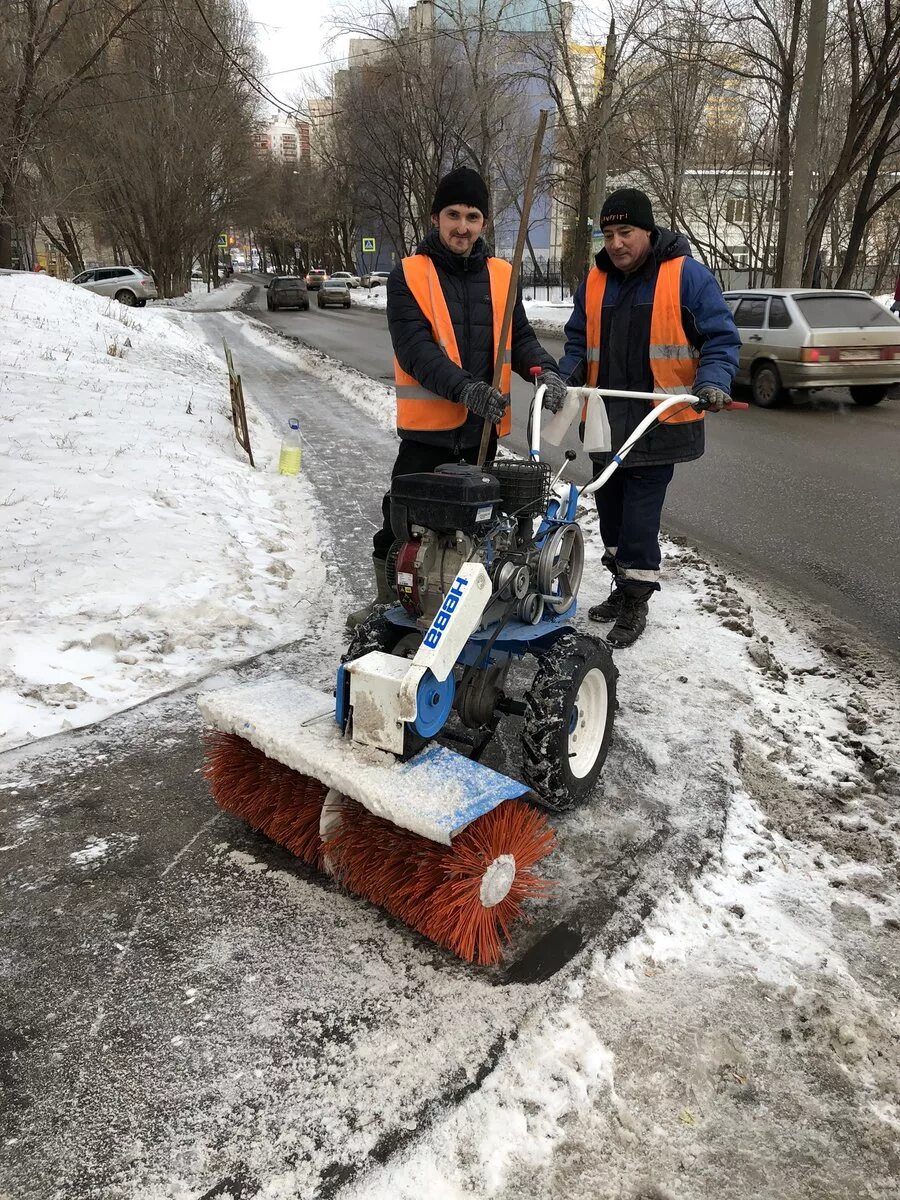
(890, 352)
(817, 354)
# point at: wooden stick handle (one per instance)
(516, 268)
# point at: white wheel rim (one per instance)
(329, 820)
(497, 880)
(586, 736)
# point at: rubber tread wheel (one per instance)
(127, 298)
(765, 386)
(868, 394)
(569, 714)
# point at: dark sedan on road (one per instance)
(287, 291)
(808, 339)
(334, 292)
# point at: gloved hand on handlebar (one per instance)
(483, 400)
(555, 393)
(713, 398)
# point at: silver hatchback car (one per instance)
(128, 285)
(806, 339)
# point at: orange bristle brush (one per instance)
(269, 796)
(464, 896)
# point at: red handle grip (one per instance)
(737, 404)
(535, 371)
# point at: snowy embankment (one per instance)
(140, 550)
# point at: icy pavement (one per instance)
(191, 1013)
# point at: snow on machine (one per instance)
(366, 784)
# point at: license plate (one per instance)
(859, 355)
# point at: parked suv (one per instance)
(128, 285)
(798, 338)
(375, 278)
(315, 278)
(287, 291)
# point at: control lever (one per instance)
(570, 457)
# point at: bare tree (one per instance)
(169, 161)
(52, 51)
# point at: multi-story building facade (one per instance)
(286, 140)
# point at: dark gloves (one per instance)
(481, 399)
(713, 398)
(555, 393)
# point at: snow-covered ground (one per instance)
(228, 295)
(746, 1042)
(140, 549)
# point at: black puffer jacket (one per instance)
(466, 286)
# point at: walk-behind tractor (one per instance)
(381, 785)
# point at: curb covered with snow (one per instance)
(141, 550)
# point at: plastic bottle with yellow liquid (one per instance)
(291, 450)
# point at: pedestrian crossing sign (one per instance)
(368, 245)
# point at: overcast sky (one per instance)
(293, 33)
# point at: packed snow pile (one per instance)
(370, 298)
(140, 549)
(230, 294)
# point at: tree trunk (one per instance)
(806, 128)
(581, 239)
(601, 158)
(861, 218)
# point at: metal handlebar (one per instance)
(661, 407)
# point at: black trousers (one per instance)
(629, 507)
(414, 457)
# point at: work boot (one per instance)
(609, 609)
(631, 621)
(383, 595)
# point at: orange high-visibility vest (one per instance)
(673, 360)
(417, 408)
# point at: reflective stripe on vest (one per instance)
(673, 360)
(417, 408)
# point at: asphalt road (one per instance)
(807, 496)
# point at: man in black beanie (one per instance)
(445, 306)
(648, 318)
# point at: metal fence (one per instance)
(544, 281)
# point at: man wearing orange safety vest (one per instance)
(648, 318)
(445, 306)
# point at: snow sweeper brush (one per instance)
(486, 568)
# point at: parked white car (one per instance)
(352, 281)
(128, 285)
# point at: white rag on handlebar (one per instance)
(597, 434)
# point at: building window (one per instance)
(737, 210)
(740, 257)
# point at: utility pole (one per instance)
(601, 153)
(806, 129)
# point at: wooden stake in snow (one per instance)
(238, 411)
